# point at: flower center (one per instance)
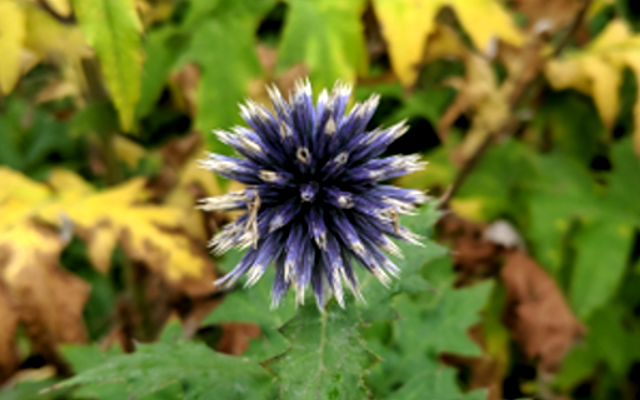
(308, 191)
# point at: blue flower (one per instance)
(314, 200)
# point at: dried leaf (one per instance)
(48, 299)
(540, 320)
(9, 360)
(549, 14)
(235, 337)
(478, 91)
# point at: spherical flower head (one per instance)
(314, 200)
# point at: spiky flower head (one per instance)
(314, 202)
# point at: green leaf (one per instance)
(326, 35)
(603, 247)
(253, 305)
(572, 121)
(378, 297)
(564, 192)
(434, 382)
(99, 117)
(29, 390)
(624, 182)
(430, 323)
(200, 372)
(611, 341)
(162, 47)
(224, 47)
(113, 29)
(442, 325)
(327, 357)
(497, 182)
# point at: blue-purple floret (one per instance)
(314, 202)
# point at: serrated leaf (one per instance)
(378, 297)
(433, 381)
(430, 323)
(201, 372)
(12, 34)
(29, 390)
(406, 24)
(327, 357)
(112, 27)
(326, 35)
(602, 251)
(442, 325)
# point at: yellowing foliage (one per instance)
(103, 218)
(597, 71)
(60, 7)
(406, 24)
(12, 33)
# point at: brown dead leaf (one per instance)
(9, 358)
(550, 15)
(236, 336)
(540, 320)
(48, 299)
(473, 256)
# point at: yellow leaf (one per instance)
(69, 185)
(52, 40)
(19, 197)
(12, 33)
(148, 233)
(128, 151)
(597, 71)
(481, 93)
(60, 7)
(193, 180)
(406, 24)
(18, 186)
(606, 81)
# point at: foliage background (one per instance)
(527, 111)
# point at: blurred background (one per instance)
(526, 110)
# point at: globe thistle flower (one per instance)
(314, 200)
